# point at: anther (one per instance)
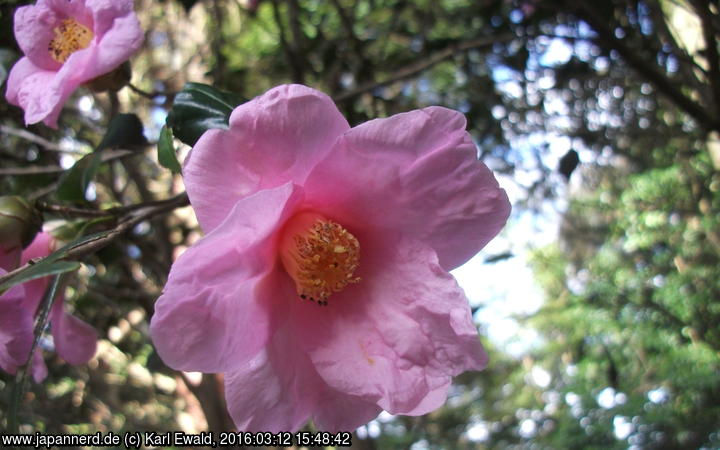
(70, 36)
(319, 255)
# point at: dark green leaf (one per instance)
(75, 181)
(123, 131)
(7, 59)
(499, 257)
(166, 150)
(63, 251)
(198, 108)
(39, 270)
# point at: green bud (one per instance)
(19, 222)
(113, 80)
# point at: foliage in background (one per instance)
(628, 342)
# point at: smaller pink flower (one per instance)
(75, 340)
(67, 43)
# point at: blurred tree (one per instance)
(629, 333)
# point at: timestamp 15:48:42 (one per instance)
(323, 438)
(286, 439)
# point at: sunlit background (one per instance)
(598, 303)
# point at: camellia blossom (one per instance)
(75, 340)
(67, 43)
(321, 288)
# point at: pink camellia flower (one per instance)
(75, 341)
(321, 289)
(67, 43)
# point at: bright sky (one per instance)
(507, 288)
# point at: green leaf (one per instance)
(123, 131)
(63, 251)
(39, 270)
(75, 181)
(198, 108)
(7, 59)
(166, 150)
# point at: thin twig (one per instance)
(421, 66)
(36, 170)
(218, 44)
(70, 211)
(143, 212)
(31, 170)
(151, 95)
(298, 38)
(711, 52)
(288, 50)
(43, 191)
(34, 138)
(648, 70)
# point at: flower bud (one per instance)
(19, 222)
(111, 81)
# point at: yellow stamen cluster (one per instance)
(320, 255)
(70, 36)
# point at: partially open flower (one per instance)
(75, 341)
(67, 43)
(321, 288)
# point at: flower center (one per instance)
(319, 255)
(70, 36)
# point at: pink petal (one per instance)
(40, 247)
(275, 391)
(416, 172)
(16, 329)
(75, 340)
(36, 91)
(337, 411)
(275, 138)
(38, 369)
(118, 35)
(10, 258)
(215, 312)
(279, 390)
(34, 29)
(397, 336)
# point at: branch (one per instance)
(36, 170)
(288, 50)
(645, 68)
(218, 44)
(139, 214)
(34, 138)
(70, 211)
(421, 66)
(152, 95)
(711, 53)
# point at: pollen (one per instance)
(70, 36)
(319, 255)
